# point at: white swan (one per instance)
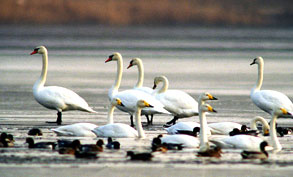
(223, 128)
(248, 142)
(265, 125)
(190, 141)
(268, 100)
(189, 126)
(177, 102)
(139, 84)
(131, 96)
(78, 129)
(119, 130)
(54, 97)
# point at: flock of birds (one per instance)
(139, 100)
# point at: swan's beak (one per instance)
(253, 62)
(211, 109)
(211, 97)
(130, 65)
(109, 59)
(155, 86)
(34, 52)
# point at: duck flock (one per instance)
(208, 139)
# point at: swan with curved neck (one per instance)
(120, 130)
(248, 142)
(131, 96)
(191, 141)
(54, 97)
(265, 125)
(139, 83)
(179, 103)
(189, 126)
(268, 100)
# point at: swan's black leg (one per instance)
(152, 117)
(59, 119)
(148, 119)
(131, 121)
(171, 122)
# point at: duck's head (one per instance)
(114, 57)
(39, 50)
(134, 61)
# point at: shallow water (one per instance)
(195, 59)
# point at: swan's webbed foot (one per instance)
(59, 119)
(171, 122)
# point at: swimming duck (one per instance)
(41, 145)
(263, 154)
(112, 144)
(35, 132)
(139, 156)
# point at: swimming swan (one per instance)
(78, 129)
(54, 97)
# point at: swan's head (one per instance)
(281, 112)
(207, 108)
(117, 102)
(143, 104)
(114, 57)
(39, 50)
(206, 96)
(257, 60)
(134, 61)
(159, 79)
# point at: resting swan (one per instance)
(130, 97)
(119, 130)
(248, 142)
(54, 97)
(177, 102)
(189, 126)
(268, 100)
(265, 125)
(190, 141)
(78, 129)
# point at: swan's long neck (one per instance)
(117, 82)
(110, 114)
(260, 76)
(203, 131)
(265, 125)
(42, 79)
(273, 134)
(139, 128)
(140, 75)
(165, 86)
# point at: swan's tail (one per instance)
(90, 110)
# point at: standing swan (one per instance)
(268, 100)
(130, 97)
(139, 84)
(54, 97)
(179, 103)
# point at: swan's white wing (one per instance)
(267, 100)
(78, 129)
(55, 97)
(189, 126)
(223, 128)
(129, 99)
(115, 130)
(245, 142)
(185, 140)
(144, 89)
(178, 103)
